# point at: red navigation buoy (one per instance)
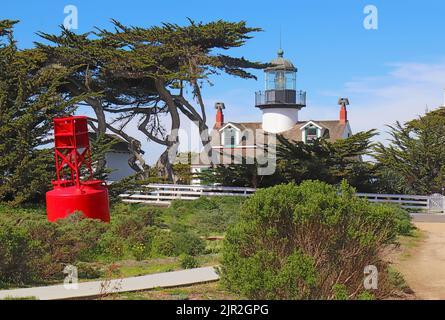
(71, 193)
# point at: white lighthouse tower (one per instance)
(280, 102)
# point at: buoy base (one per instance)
(91, 198)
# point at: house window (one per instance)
(311, 134)
(229, 138)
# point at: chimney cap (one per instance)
(220, 106)
(343, 101)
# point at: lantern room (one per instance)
(280, 101)
(282, 76)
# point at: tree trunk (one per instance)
(166, 160)
(101, 125)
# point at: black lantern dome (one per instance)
(280, 86)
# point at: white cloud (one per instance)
(402, 94)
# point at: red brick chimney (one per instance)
(219, 106)
(343, 102)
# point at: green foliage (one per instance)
(205, 216)
(188, 243)
(237, 175)
(146, 72)
(163, 244)
(366, 296)
(308, 242)
(414, 160)
(29, 100)
(321, 160)
(33, 250)
(189, 262)
(15, 266)
(177, 242)
(397, 281)
(88, 271)
(326, 161)
(139, 251)
(182, 168)
(340, 292)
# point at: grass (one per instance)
(205, 216)
(398, 281)
(206, 291)
(407, 243)
(133, 268)
(21, 298)
(140, 268)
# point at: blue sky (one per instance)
(392, 73)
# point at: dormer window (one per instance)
(311, 134)
(229, 137)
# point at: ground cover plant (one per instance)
(34, 251)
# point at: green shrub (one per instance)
(139, 251)
(15, 252)
(111, 247)
(189, 262)
(34, 251)
(308, 242)
(340, 292)
(188, 243)
(88, 271)
(175, 243)
(163, 244)
(205, 216)
(398, 281)
(82, 236)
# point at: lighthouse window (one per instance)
(229, 138)
(280, 80)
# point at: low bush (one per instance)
(189, 262)
(310, 241)
(175, 243)
(88, 271)
(34, 251)
(139, 251)
(205, 216)
(15, 251)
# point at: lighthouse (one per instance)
(280, 101)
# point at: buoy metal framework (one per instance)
(71, 192)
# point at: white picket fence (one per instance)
(164, 194)
(422, 203)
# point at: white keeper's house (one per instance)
(280, 103)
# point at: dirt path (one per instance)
(423, 266)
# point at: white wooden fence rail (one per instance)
(405, 201)
(164, 194)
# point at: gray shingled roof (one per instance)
(332, 130)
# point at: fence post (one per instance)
(443, 204)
